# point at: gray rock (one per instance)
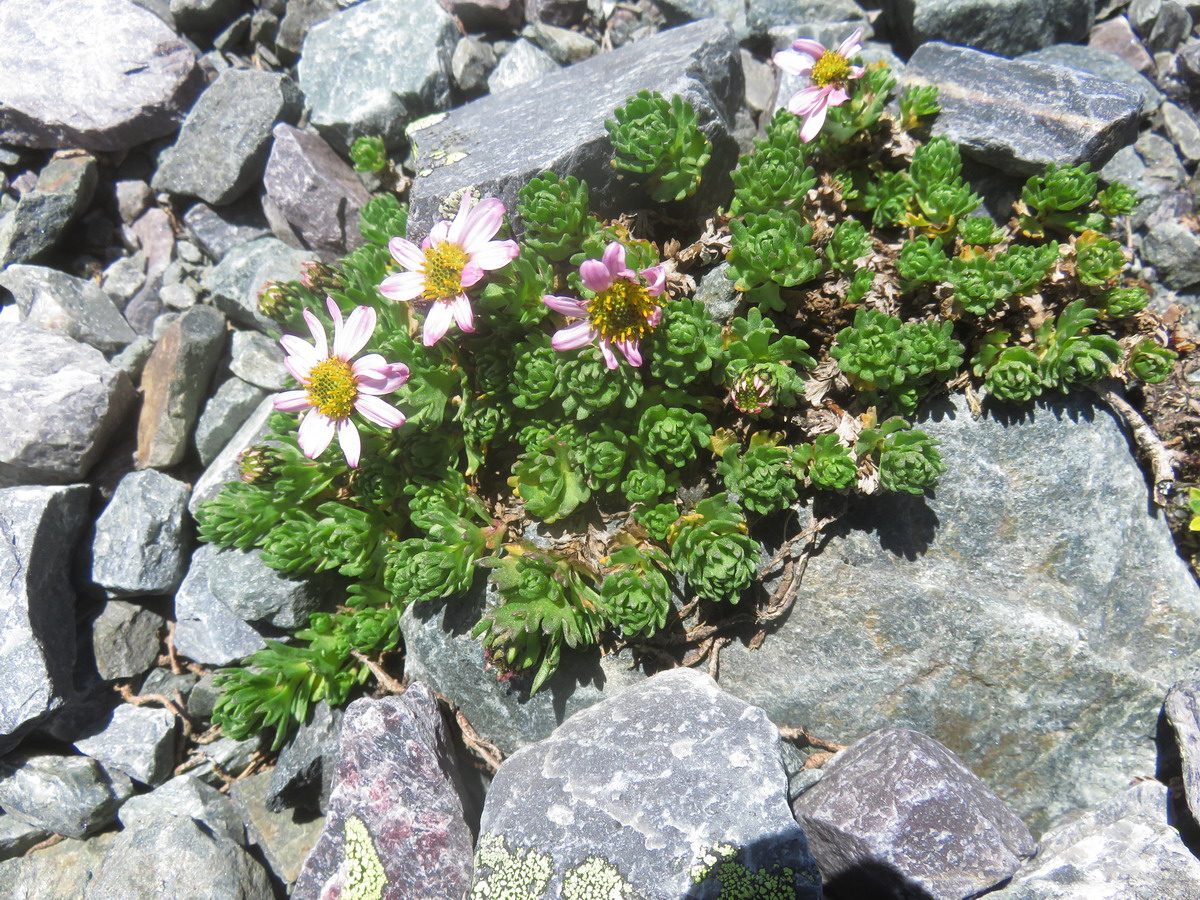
(203, 698)
(563, 13)
(156, 236)
(205, 16)
(285, 837)
(189, 797)
(300, 17)
(235, 283)
(705, 803)
(63, 190)
(219, 232)
(303, 775)
(397, 783)
(375, 67)
(1103, 64)
(174, 857)
(1151, 168)
(167, 684)
(16, 837)
(717, 293)
(1183, 712)
(60, 872)
(1027, 594)
(1172, 246)
(121, 77)
(138, 741)
(139, 544)
(223, 415)
(177, 297)
(174, 383)
(225, 467)
(472, 63)
(227, 757)
(255, 592)
(316, 191)
(566, 47)
(1183, 129)
(558, 124)
(206, 630)
(70, 795)
(1019, 116)
(763, 15)
(77, 308)
(1006, 27)
(225, 139)
(901, 800)
(132, 196)
(1117, 37)
(487, 15)
(1163, 24)
(132, 360)
(1124, 847)
(732, 12)
(124, 278)
(523, 63)
(439, 650)
(259, 360)
(125, 640)
(38, 529)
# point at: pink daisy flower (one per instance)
(829, 71)
(622, 312)
(451, 259)
(334, 386)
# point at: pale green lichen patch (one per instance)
(595, 879)
(365, 879)
(516, 875)
(740, 883)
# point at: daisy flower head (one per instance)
(334, 385)
(829, 72)
(450, 260)
(622, 312)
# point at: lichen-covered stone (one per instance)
(62, 402)
(38, 529)
(395, 820)
(1019, 116)
(900, 799)
(672, 789)
(96, 74)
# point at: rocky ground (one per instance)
(997, 656)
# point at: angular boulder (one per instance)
(1008, 27)
(79, 309)
(1015, 615)
(96, 74)
(395, 820)
(670, 790)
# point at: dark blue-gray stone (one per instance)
(255, 592)
(139, 547)
(1102, 64)
(136, 740)
(1019, 116)
(125, 640)
(223, 415)
(303, 774)
(186, 795)
(206, 630)
(1007, 27)
(557, 123)
(672, 789)
(63, 190)
(69, 795)
(244, 270)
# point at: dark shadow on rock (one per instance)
(874, 880)
(903, 523)
(1169, 770)
(757, 870)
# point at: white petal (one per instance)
(314, 434)
(812, 124)
(595, 275)
(459, 225)
(357, 331)
(464, 316)
(317, 330)
(351, 443)
(292, 401)
(495, 254)
(573, 336)
(851, 47)
(379, 412)
(305, 354)
(403, 287)
(437, 323)
(406, 253)
(482, 224)
(794, 63)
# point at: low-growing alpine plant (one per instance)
(574, 440)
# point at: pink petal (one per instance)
(495, 254)
(437, 323)
(857, 71)
(595, 275)
(573, 336)
(380, 379)
(656, 278)
(471, 274)
(631, 351)
(459, 225)
(317, 330)
(359, 328)
(375, 410)
(292, 401)
(297, 369)
(351, 443)
(335, 313)
(809, 47)
(406, 253)
(482, 224)
(655, 317)
(794, 63)
(805, 101)
(614, 258)
(437, 234)
(568, 306)
(812, 125)
(610, 358)
(403, 287)
(464, 316)
(304, 352)
(837, 97)
(850, 46)
(314, 434)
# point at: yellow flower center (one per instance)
(831, 68)
(331, 388)
(444, 264)
(622, 313)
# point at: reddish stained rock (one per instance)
(396, 778)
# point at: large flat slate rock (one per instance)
(1018, 116)
(673, 789)
(497, 143)
(96, 74)
(1030, 615)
